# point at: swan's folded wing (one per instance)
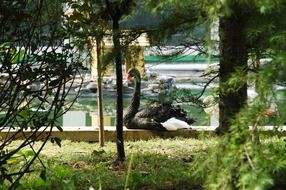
(145, 123)
(160, 113)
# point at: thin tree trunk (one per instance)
(119, 106)
(233, 50)
(95, 59)
(99, 93)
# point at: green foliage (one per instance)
(242, 159)
(60, 179)
(38, 69)
(235, 81)
(183, 19)
(238, 164)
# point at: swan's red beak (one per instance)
(129, 77)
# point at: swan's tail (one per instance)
(173, 124)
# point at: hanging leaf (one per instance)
(59, 128)
(43, 174)
(56, 140)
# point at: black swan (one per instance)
(156, 117)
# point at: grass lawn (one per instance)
(153, 164)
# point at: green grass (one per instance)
(153, 164)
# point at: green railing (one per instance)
(180, 59)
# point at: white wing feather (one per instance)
(173, 124)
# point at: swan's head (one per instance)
(133, 73)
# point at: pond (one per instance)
(84, 111)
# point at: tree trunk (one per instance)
(233, 52)
(95, 59)
(119, 106)
(99, 92)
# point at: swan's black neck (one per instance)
(135, 101)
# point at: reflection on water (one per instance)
(85, 119)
